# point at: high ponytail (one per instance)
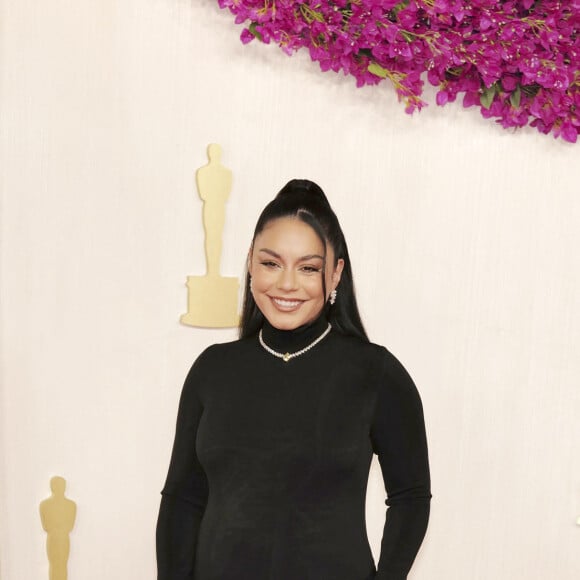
(305, 200)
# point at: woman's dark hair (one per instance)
(305, 200)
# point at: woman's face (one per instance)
(286, 269)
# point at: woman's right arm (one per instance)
(399, 440)
(185, 493)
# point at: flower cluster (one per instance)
(518, 60)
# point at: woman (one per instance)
(276, 431)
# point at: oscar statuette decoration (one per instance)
(57, 514)
(212, 300)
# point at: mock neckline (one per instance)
(295, 339)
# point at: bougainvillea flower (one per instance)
(517, 60)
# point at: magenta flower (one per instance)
(517, 60)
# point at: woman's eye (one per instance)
(310, 269)
(269, 264)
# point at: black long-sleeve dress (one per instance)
(270, 464)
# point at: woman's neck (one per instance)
(295, 339)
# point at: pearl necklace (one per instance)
(288, 355)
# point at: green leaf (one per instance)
(396, 9)
(252, 29)
(487, 96)
(377, 70)
(516, 97)
(530, 90)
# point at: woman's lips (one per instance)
(286, 304)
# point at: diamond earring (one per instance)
(333, 297)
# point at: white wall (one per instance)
(464, 239)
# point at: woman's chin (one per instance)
(290, 320)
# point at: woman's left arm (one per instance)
(398, 438)
(185, 493)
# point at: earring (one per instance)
(333, 297)
(251, 287)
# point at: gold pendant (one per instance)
(286, 357)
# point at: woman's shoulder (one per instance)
(379, 356)
(222, 353)
(362, 347)
(219, 350)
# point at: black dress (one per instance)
(270, 463)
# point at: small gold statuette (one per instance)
(212, 300)
(57, 514)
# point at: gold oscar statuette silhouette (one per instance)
(57, 514)
(212, 300)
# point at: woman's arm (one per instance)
(185, 493)
(398, 438)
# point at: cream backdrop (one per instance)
(465, 244)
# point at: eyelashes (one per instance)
(311, 269)
(306, 268)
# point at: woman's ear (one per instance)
(337, 272)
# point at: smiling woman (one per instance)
(287, 265)
(276, 431)
(304, 226)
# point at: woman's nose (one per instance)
(287, 280)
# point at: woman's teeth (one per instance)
(286, 303)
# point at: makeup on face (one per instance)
(287, 265)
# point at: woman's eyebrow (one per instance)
(310, 257)
(271, 252)
(301, 259)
